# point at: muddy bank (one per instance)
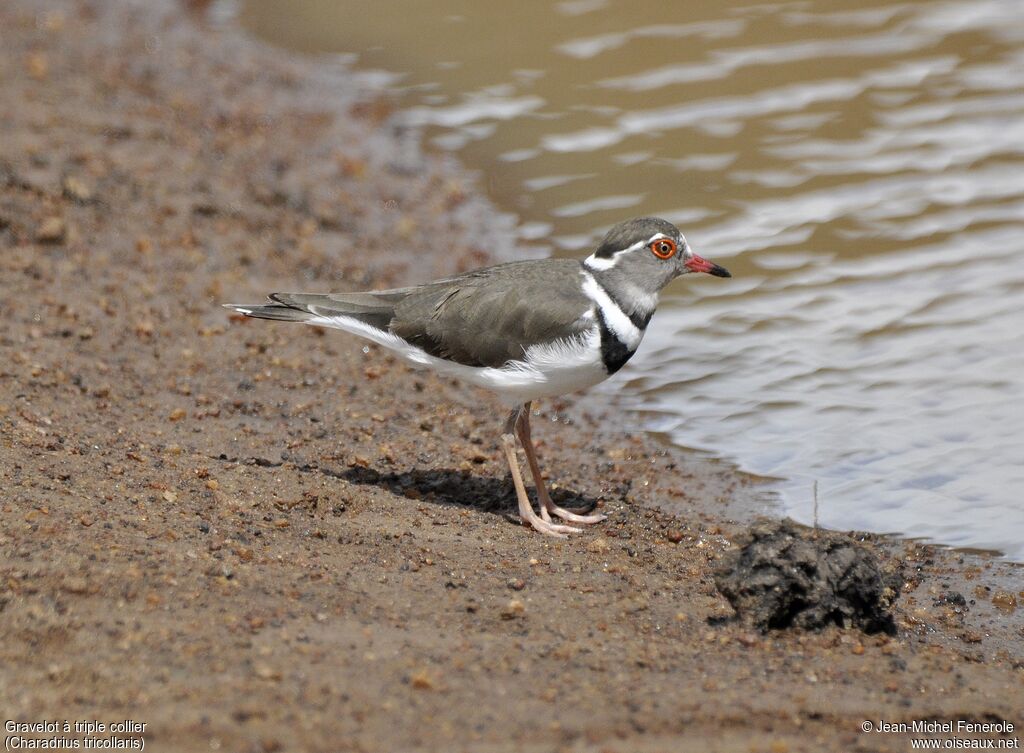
(260, 537)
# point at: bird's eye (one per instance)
(664, 248)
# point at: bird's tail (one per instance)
(275, 311)
(374, 309)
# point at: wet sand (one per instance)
(262, 537)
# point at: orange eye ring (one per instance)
(663, 248)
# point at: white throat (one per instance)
(618, 321)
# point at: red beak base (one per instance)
(697, 264)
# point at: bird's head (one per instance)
(639, 257)
(647, 253)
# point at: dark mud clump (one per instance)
(782, 575)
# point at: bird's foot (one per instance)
(549, 509)
(547, 527)
(526, 513)
(520, 420)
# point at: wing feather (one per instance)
(487, 317)
(493, 316)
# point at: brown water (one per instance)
(860, 169)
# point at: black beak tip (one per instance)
(719, 271)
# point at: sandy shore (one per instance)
(259, 537)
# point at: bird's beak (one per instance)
(697, 264)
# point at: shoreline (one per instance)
(277, 539)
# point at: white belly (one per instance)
(548, 370)
(555, 368)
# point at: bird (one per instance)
(525, 330)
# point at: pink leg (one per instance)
(526, 513)
(547, 507)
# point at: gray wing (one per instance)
(376, 308)
(490, 317)
(484, 318)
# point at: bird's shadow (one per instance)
(458, 488)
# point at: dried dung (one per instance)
(781, 575)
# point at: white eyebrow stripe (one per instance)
(597, 263)
(621, 325)
(600, 264)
